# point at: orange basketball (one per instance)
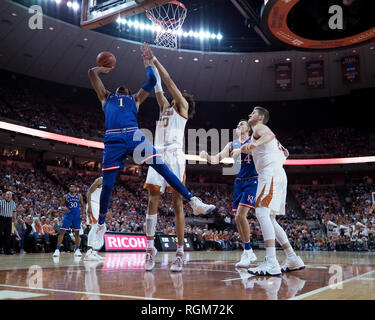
(106, 59)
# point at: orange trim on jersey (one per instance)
(267, 199)
(151, 187)
(178, 112)
(260, 197)
(171, 190)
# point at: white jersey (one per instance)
(269, 154)
(95, 203)
(170, 130)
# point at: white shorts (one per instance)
(176, 162)
(95, 213)
(272, 189)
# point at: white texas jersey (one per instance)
(269, 154)
(170, 130)
(95, 202)
(95, 197)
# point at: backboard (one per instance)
(97, 13)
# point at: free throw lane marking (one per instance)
(311, 293)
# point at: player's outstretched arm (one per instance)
(144, 92)
(172, 88)
(161, 99)
(97, 83)
(218, 157)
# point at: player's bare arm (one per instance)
(265, 136)
(144, 92)
(97, 83)
(215, 159)
(172, 88)
(62, 204)
(81, 201)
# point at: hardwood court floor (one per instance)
(206, 275)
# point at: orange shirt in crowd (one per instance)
(48, 229)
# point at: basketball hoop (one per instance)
(167, 20)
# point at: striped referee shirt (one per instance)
(7, 208)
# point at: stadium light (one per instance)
(69, 4)
(180, 32)
(75, 6)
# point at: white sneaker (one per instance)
(199, 207)
(92, 255)
(96, 236)
(248, 256)
(269, 267)
(292, 264)
(78, 253)
(150, 258)
(177, 263)
(56, 253)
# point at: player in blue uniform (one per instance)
(245, 186)
(71, 204)
(123, 138)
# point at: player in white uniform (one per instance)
(169, 141)
(269, 156)
(92, 215)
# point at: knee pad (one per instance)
(263, 216)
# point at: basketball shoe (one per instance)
(199, 207)
(248, 256)
(95, 238)
(269, 267)
(292, 264)
(178, 262)
(92, 255)
(150, 258)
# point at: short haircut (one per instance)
(247, 123)
(263, 112)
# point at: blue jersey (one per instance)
(245, 161)
(120, 112)
(73, 203)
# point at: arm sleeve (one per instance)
(158, 86)
(151, 80)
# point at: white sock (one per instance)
(180, 249)
(289, 252)
(151, 220)
(150, 244)
(271, 252)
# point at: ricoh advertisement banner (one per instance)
(125, 242)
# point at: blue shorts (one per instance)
(244, 193)
(119, 143)
(71, 218)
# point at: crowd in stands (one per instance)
(349, 226)
(70, 117)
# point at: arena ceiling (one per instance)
(220, 16)
(63, 52)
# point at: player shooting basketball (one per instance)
(169, 140)
(123, 138)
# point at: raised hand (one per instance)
(146, 51)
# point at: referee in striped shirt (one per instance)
(7, 214)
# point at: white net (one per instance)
(168, 20)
